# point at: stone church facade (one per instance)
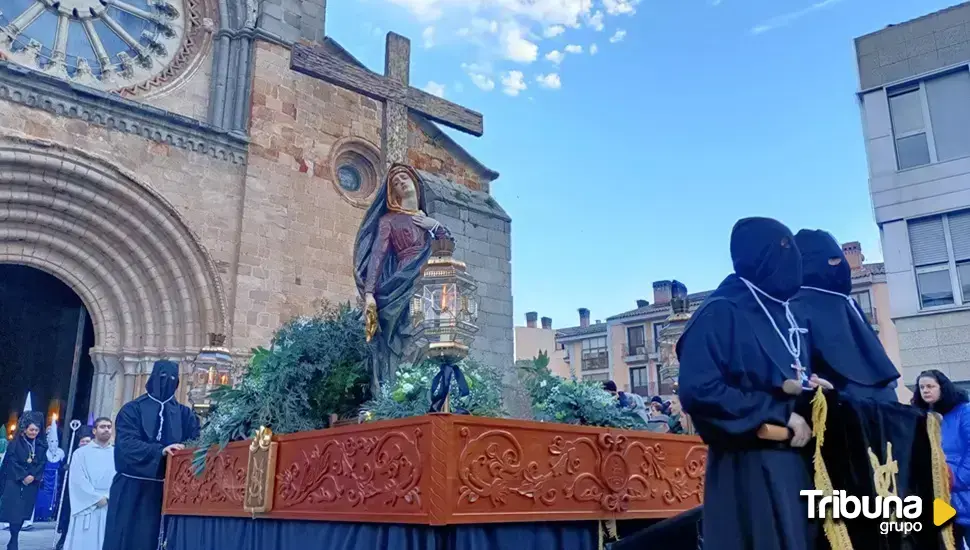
(161, 159)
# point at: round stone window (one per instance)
(349, 178)
(355, 170)
(114, 45)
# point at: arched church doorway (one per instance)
(45, 335)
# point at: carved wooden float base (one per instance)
(446, 469)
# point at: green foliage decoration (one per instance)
(410, 392)
(315, 366)
(572, 401)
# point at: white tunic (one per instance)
(92, 470)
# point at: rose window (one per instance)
(108, 44)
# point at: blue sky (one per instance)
(631, 165)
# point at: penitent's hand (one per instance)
(28, 480)
(815, 382)
(802, 433)
(171, 449)
(102, 503)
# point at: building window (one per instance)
(657, 327)
(355, 174)
(349, 177)
(940, 247)
(595, 354)
(108, 44)
(598, 377)
(931, 119)
(865, 304)
(638, 381)
(636, 342)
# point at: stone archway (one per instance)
(149, 285)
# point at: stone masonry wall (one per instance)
(204, 190)
(482, 232)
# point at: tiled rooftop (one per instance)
(694, 299)
(572, 332)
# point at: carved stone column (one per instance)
(106, 385)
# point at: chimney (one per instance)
(642, 303)
(853, 254)
(583, 317)
(530, 319)
(678, 297)
(661, 293)
(547, 323)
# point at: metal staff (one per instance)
(75, 426)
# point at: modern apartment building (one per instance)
(636, 348)
(915, 99)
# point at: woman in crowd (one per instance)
(935, 392)
(23, 470)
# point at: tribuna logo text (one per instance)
(898, 514)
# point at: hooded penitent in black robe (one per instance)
(845, 349)
(734, 360)
(144, 427)
(24, 458)
(855, 427)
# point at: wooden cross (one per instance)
(392, 89)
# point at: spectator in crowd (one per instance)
(936, 393)
(84, 436)
(23, 472)
(610, 386)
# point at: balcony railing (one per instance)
(870, 314)
(637, 352)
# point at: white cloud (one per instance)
(596, 21)
(554, 31)
(516, 47)
(788, 18)
(715, 2)
(434, 88)
(593, 49)
(555, 56)
(544, 12)
(618, 36)
(549, 81)
(483, 82)
(513, 82)
(428, 36)
(573, 48)
(479, 75)
(620, 7)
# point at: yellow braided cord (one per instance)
(599, 531)
(941, 473)
(836, 532)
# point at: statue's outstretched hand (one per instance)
(370, 316)
(426, 223)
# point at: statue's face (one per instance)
(402, 185)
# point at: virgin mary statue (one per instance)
(393, 244)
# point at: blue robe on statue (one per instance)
(734, 360)
(846, 350)
(143, 429)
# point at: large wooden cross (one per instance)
(392, 89)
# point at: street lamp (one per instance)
(213, 367)
(444, 310)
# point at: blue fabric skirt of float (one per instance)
(201, 533)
